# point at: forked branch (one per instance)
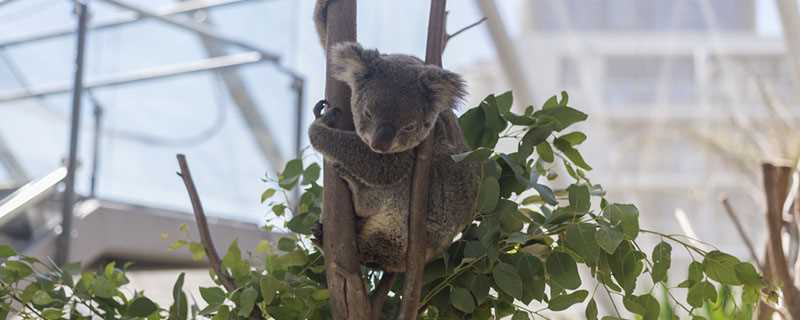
(202, 225)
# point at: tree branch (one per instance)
(202, 225)
(470, 26)
(745, 238)
(417, 242)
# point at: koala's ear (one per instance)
(445, 89)
(351, 62)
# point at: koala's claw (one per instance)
(316, 230)
(328, 117)
(322, 104)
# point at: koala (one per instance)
(397, 101)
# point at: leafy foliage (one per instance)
(526, 246)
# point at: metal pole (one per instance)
(98, 130)
(299, 84)
(196, 28)
(171, 10)
(224, 62)
(62, 252)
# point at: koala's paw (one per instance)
(325, 113)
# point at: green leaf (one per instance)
(473, 249)
(279, 209)
(472, 125)
(52, 313)
(545, 151)
(536, 135)
(579, 197)
(748, 275)
(269, 286)
(267, 194)
(493, 121)
(564, 301)
(564, 99)
(481, 154)
(141, 307)
(213, 295)
(480, 288)
(7, 251)
(571, 153)
(311, 174)
(224, 313)
(591, 310)
(609, 238)
(291, 173)
(695, 272)
(16, 270)
(462, 300)
(581, 239)
(721, 267)
(702, 291)
(662, 260)
(507, 278)
(564, 116)
(574, 138)
(644, 305)
(520, 315)
(180, 307)
(197, 250)
(546, 193)
(41, 298)
(551, 102)
(563, 270)
(531, 270)
(504, 102)
(626, 265)
(626, 216)
(489, 194)
(321, 294)
(246, 301)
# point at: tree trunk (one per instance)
(776, 188)
(348, 294)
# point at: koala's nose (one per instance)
(382, 139)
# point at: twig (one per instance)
(202, 225)
(205, 235)
(735, 219)
(470, 26)
(417, 242)
(381, 293)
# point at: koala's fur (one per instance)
(397, 101)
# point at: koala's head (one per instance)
(395, 98)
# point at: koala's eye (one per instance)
(367, 114)
(410, 127)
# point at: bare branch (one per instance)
(202, 225)
(740, 229)
(470, 26)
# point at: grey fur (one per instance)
(397, 101)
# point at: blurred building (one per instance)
(668, 86)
